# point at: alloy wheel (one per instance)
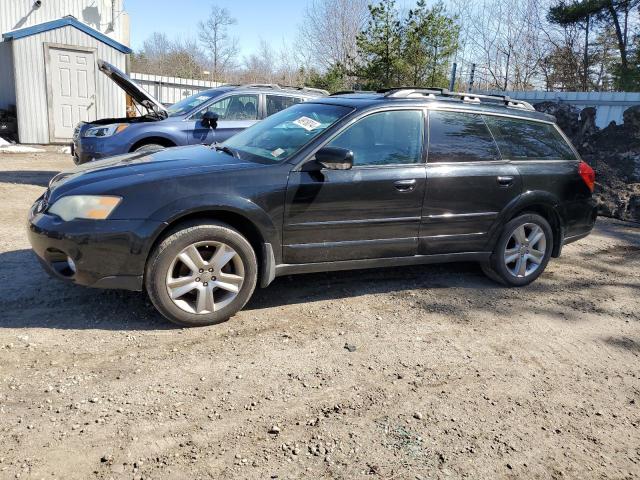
(205, 277)
(525, 250)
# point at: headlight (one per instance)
(92, 207)
(105, 130)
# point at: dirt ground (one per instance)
(452, 376)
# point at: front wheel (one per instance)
(202, 274)
(522, 251)
(150, 147)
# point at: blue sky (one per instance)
(273, 20)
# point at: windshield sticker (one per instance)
(202, 98)
(277, 152)
(307, 123)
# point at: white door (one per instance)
(72, 83)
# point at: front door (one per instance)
(235, 113)
(468, 184)
(72, 87)
(370, 211)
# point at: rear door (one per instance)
(468, 184)
(235, 113)
(370, 211)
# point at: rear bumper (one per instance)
(100, 254)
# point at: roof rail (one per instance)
(409, 92)
(275, 86)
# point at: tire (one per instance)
(204, 287)
(150, 147)
(521, 254)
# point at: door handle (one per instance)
(505, 181)
(405, 185)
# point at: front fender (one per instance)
(187, 206)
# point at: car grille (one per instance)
(41, 204)
(76, 131)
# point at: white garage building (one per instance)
(48, 71)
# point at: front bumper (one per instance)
(87, 149)
(103, 253)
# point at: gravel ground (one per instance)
(425, 372)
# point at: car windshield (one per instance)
(189, 103)
(281, 135)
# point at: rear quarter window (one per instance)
(520, 139)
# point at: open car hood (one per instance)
(132, 89)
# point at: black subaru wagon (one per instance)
(356, 180)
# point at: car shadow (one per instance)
(31, 299)
(39, 178)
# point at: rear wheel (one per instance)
(522, 251)
(202, 274)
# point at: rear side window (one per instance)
(527, 140)
(459, 137)
(275, 103)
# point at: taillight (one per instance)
(588, 175)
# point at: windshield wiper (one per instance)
(225, 149)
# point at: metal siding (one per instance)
(31, 85)
(171, 89)
(7, 84)
(609, 105)
(15, 14)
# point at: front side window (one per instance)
(459, 137)
(275, 103)
(194, 101)
(281, 135)
(233, 107)
(385, 138)
(528, 140)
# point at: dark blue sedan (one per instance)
(184, 123)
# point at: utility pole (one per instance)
(472, 74)
(452, 82)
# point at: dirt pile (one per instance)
(614, 152)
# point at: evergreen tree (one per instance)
(430, 39)
(379, 47)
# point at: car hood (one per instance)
(169, 163)
(132, 89)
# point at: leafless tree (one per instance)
(221, 48)
(180, 57)
(329, 29)
(504, 39)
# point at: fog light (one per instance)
(72, 265)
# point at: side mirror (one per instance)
(335, 158)
(210, 120)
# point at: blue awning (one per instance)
(66, 22)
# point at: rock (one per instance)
(417, 416)
(631, 118)
(274, 430)
(107, 459)
(568, 116)
(349, 347)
